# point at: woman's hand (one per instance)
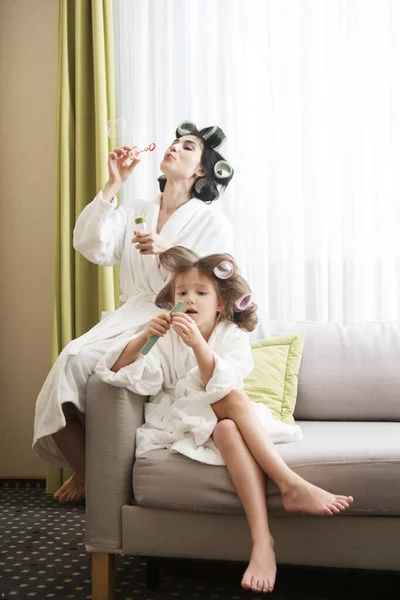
(187, 330)
(120, 165)
(159, 325)
(149, 243)
(119, 169)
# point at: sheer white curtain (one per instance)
(308, 93)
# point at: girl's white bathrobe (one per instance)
(179, 415)
(103, 235)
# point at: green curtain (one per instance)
(86, 99)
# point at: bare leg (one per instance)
(249, 482)
(297, 494)
(71, 442)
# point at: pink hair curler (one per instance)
(224, 269)
(243, 303)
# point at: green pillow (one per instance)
(274, 378)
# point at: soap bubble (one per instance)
(121, 133)
(117, 128)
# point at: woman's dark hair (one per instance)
(214, 181)
(179, 259)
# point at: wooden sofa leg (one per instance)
(103, 576)
(152, 573)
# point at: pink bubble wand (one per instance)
(133, 153)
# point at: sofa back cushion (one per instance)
(348, 371)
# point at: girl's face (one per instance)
(199, 294)
(182, 160)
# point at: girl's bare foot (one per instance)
(261, 572)
(302, 496)
(72, 490)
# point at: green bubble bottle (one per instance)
(141, 226)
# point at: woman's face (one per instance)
(182, 160)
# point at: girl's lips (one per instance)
(169, 155)
(191, 312)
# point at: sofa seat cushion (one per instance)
(361, 459)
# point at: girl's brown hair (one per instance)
(179, 259)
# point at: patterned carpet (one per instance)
(42, 555)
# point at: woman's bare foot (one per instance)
(72, 490)
(261, 572)
(302, 496)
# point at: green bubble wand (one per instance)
(154, 338)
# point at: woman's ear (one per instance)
(199, 172)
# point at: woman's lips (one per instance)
(169, 155)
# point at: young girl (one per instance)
(194, 377)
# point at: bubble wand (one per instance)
(154, 338)
(133, 153)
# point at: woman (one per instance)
(193, 173)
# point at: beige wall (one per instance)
(28, 62)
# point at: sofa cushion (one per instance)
(348, 372)
(358, 459)
(273, 380)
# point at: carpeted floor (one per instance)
(42, 555)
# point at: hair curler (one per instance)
(243, 303)
(224, 269)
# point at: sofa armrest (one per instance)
(112, 416)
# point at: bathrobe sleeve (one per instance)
(100, 230)
(233, 362)
(144, 376)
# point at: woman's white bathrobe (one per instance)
(179, 415)
(103, 235)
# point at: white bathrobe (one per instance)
(103, 235)
(179, 415)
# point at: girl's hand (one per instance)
(150, 243)
(159, 325)
(187, 330)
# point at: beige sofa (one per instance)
(166, 505)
